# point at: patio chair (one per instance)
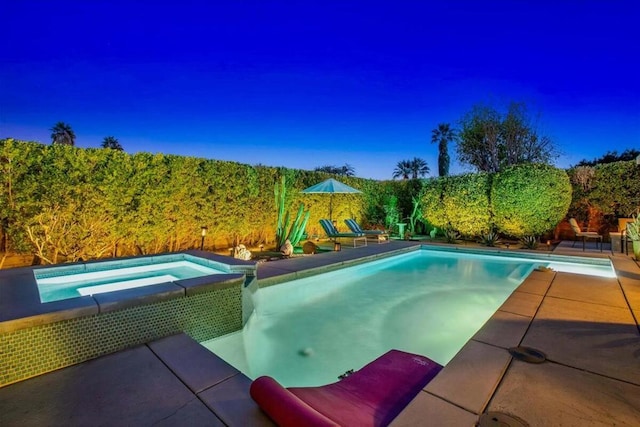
(372, 396)
(334, 234)
(380, 235)
(586, 235)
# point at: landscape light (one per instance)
(203, 231)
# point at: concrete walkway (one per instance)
(586, 326)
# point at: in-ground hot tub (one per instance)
(56, 284)
(100, 307)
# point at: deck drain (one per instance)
(500, 419)
(527, 354)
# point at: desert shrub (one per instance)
(529, 199)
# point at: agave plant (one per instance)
(633, 229)
(490, 239)
(529, 242)
(451, 235)
(284, 229)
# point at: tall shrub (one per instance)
(466, 201)
(615, 188)
(529, 199)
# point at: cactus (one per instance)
(295, 232)
(416, 215)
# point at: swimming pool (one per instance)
(58, 283)
(307, 332)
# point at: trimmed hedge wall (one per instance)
(467, 201)
(65, 203)
(522, 200)
(460, 202)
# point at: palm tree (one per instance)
(346, 170)
(402, 170)
(111, 142)
(61, 133)
(443, 134)
(419, 168)
(413, 169)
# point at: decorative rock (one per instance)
(309, 248)
(241, 252)
(287, 248)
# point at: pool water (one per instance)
(54, 287)
(308, 331)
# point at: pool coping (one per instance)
(20, 305)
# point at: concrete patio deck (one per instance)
(587, 327)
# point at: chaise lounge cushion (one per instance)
(373, 396)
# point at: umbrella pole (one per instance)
(331, 208)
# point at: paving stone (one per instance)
(632, 293)
(588, 336)
(522, 303)
(503, 329)
(534, 286)
(132, 387)
(629, 277)
(596, 290)
(471, 376)
(194, 364)
(194, 413)
(545, 276)
(231, 402)
(549, 394)
(427, 409)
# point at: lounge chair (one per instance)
(586, 235)
(334, 234)
(379, 235)
(372, 396)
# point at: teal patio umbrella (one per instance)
(331, 187)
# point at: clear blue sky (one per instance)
(305, 84)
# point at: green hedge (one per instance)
(67, 203)
(530, 199)
(467, 202)
(522, 200)
(612, 189)
(433, 209)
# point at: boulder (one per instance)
(309, 248)
(241, 252)
(287, 248)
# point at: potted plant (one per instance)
(633, 233)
